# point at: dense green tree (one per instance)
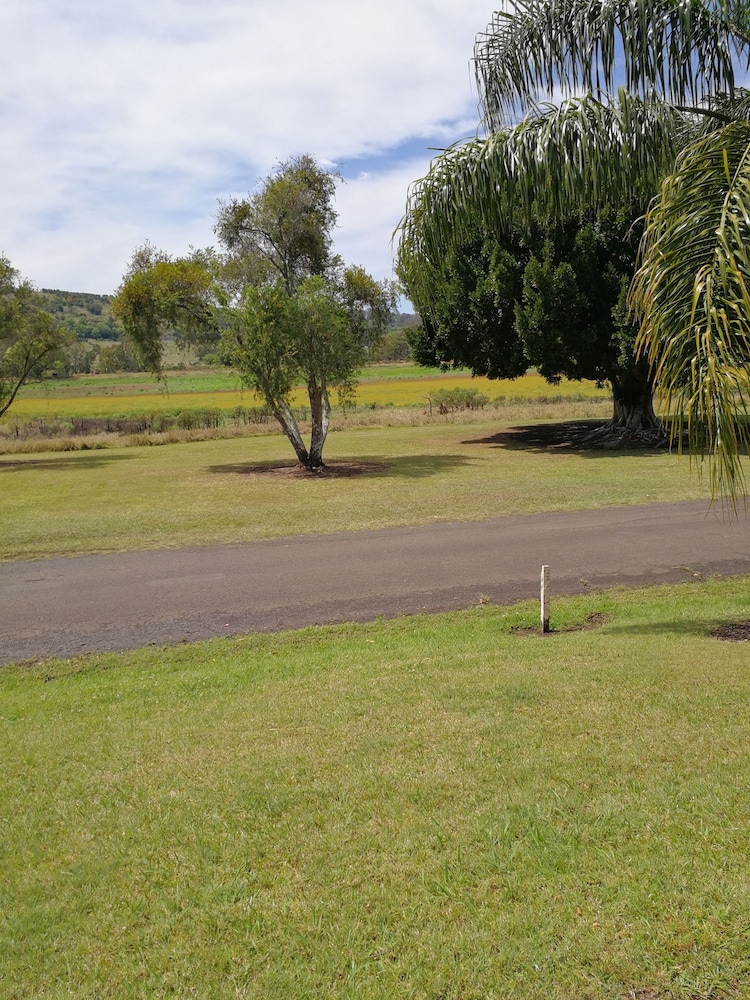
(117, 358)
(279, 305)
(677, 132)
(29, 334)
(550, 297)
(160, 295)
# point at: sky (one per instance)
(125, 122)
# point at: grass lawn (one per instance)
(424, 808)
(203, 492)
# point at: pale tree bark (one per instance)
(290, 427)
(320, 414)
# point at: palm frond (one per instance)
(566, 162)
(677, 50)
(692, 295)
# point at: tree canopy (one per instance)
(676, 137)
(552, 297)
(279, 305)
(29, 334)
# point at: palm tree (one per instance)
(674, 139)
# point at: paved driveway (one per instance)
(62, 607)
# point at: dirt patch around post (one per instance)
(595, 620)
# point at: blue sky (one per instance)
(125, 122)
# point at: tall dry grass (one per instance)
(505, 411)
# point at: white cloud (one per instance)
(126, 122)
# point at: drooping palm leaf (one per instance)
(692, 294)
(680, 51)
(573, 159)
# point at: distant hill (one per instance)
(89, 316)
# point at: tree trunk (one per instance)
(633, 419)
(290, 427)
(320, 414)
(633, 399)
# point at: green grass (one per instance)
(199, 493)
(196, 380)
(425, 808)
(383, 386)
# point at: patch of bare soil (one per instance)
(593, 621)
(331, 470)
(733, 632)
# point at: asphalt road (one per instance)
(63, 607)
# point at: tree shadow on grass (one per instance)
(64, 463)
(569, 436)
(698, 628)
(408, 467)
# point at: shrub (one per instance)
(449, 400)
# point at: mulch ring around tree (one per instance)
(732, 632)
(593, 621)
(331, 470)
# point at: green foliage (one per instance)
(29, 334)
(465, 296)
(259, 339)
(394, 345)
(85, 314)
(117, 358)
(450, 400)
(551, 297)
(283, 230)
(678, 132)
(94, 328)
(692, 293)
(160, 295)
(283, 307)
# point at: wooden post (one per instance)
(545, 599)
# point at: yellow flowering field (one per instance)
(381, 392)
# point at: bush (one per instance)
(449, 400)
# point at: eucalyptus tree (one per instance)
(283, 230)
(29, 334)
(275, 301)
(647, 115)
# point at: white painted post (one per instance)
(545, 599)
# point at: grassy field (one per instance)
(425, 808)
(383, 386)
(429, 808)
(189, 380)
(217, 490)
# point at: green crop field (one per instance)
(429, 807)
(88, 397)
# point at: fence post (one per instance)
(545, 598)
